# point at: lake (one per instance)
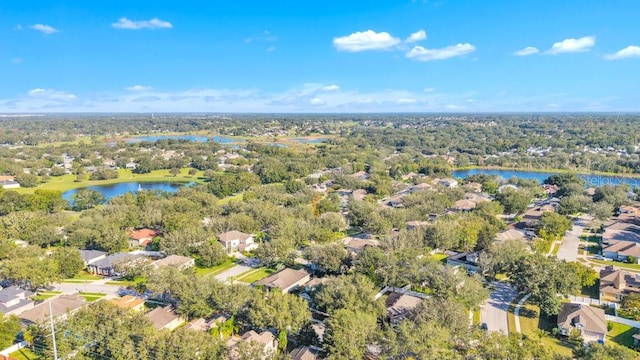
(193, 138)
(309, 141)
(113, 190)
(591, 179)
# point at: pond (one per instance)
(193, 138)
(309, 140)
(591, 179)
(113, 190)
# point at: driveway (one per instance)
(571, 240)
(92, 287)
(234, 271)
(494, 311)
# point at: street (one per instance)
(570, 242)
(234, 271)
(494, 311)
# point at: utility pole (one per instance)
(53, 333)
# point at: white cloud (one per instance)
(16, 60)
(365, 40)
(407, 101)
(630, 51)
(138, 88)
(271, 49)
(422, 54)
(416, 36)
(529, 50)
(50, 94)
(45, 29)
(316, 101)
(572, 45)
(429, 90)
(332, 87)
(155, 23)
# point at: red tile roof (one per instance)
(143, 234)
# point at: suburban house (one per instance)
(355, 245)
(473, 187)
(264, 338)
(107, 266)
(285, 280)
(164, 318)
(129, 302)
(464, 205)
(91, 256)
(616, 284)
(511, 234)
(142, 237)
(304, 353)
(181, 262)
(448, 182)
(589, 320)
(550, 189)
(60, 306)
(399, 305)
(8, 182)
(468, 260)
(201, 324)
(622, 250)
(234, 241)
(14, 300)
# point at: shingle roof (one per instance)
(59, 305)
(174, 260)
(233, 235)
(284, 279)
(161, 316)
(591, 318)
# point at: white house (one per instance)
(234, 241)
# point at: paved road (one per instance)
(234, 271)
(571, 240)
(494, 311)
(69, 288)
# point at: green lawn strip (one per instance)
(256, 275)
(90, 297)
(535, 327)
(83, 275)
(24, 354)
(228, 199)
(44, 295)
(511, 317)
(125, 283)
(241, 275)
(621, 265)
(476, 317)
(216, 269)
(555, 248)
(621, 334)
(439, 257)
(67, 182)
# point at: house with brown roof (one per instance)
(511, 234)
(165, 318)
(129, 302)
(285, 280)
(60, 307)
(616, 284)
(589, 320)
(234, 241)
(356, 244)
(181, 262)
(464, 205)
(265, 339)
(141, 237)
(473, 187)
(304, 353)
(622, 250)
(400, 305)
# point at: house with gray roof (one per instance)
(14, 300)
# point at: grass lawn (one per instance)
(476, 317)
(91, 297)
(622, 265)
(44, 295)
(66, 182)
(25, 354)
(256, 275)
(439, 257)
(531, 325)
(216, 269)
(592, 291)
(228, 199)
(621, 334)
(81, 277)
(125, 283)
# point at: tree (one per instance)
(174, 171)
(514, 201)
(87, 199)
(585, 273)
(615, 195)
(601, 210)
(573, 204)
(9, 328)
(563, 179)
(630, 306)
(69, 261)
(282, 311)
(193, 171)
(331, 258)
(348, 333)
(27, 180)
(554, 224)
(353, 292)
(210, 254)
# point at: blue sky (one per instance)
(319, 56)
